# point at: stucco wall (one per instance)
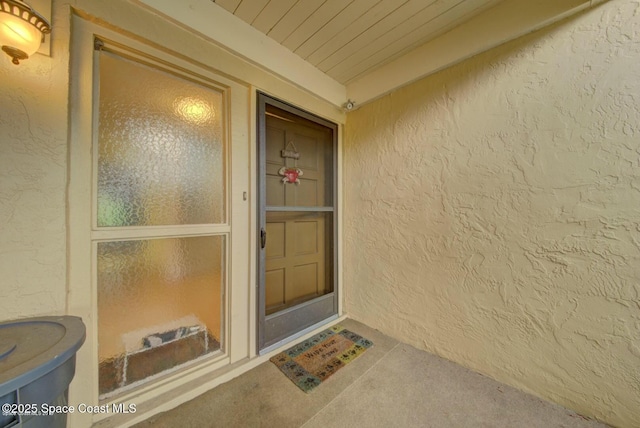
(492, 213)
(33, 165)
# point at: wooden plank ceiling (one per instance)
(347, 39)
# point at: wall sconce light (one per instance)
(22, 29)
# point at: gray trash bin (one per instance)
(37, 363)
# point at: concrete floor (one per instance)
(390, 385)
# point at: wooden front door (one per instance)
(297, 216)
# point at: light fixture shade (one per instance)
(21, 29)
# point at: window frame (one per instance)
(83, 233)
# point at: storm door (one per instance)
(296, 235)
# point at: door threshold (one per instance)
(301, 333)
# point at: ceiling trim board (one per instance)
(502, 23)
(241, 39)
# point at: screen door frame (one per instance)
(283, 326)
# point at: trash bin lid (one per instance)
(32, 347)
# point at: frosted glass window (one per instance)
(161, 155)
(159, 306)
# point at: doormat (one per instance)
(311, 362)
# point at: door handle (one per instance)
(263, 237)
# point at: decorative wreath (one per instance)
(290, 175)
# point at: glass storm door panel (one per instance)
(297, 227)
(160, 229)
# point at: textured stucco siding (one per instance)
(33, 179)
(492, 213)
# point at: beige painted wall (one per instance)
(33, 166)
(492, 213)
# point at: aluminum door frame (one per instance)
(281, 327)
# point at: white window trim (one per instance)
(82, 273)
